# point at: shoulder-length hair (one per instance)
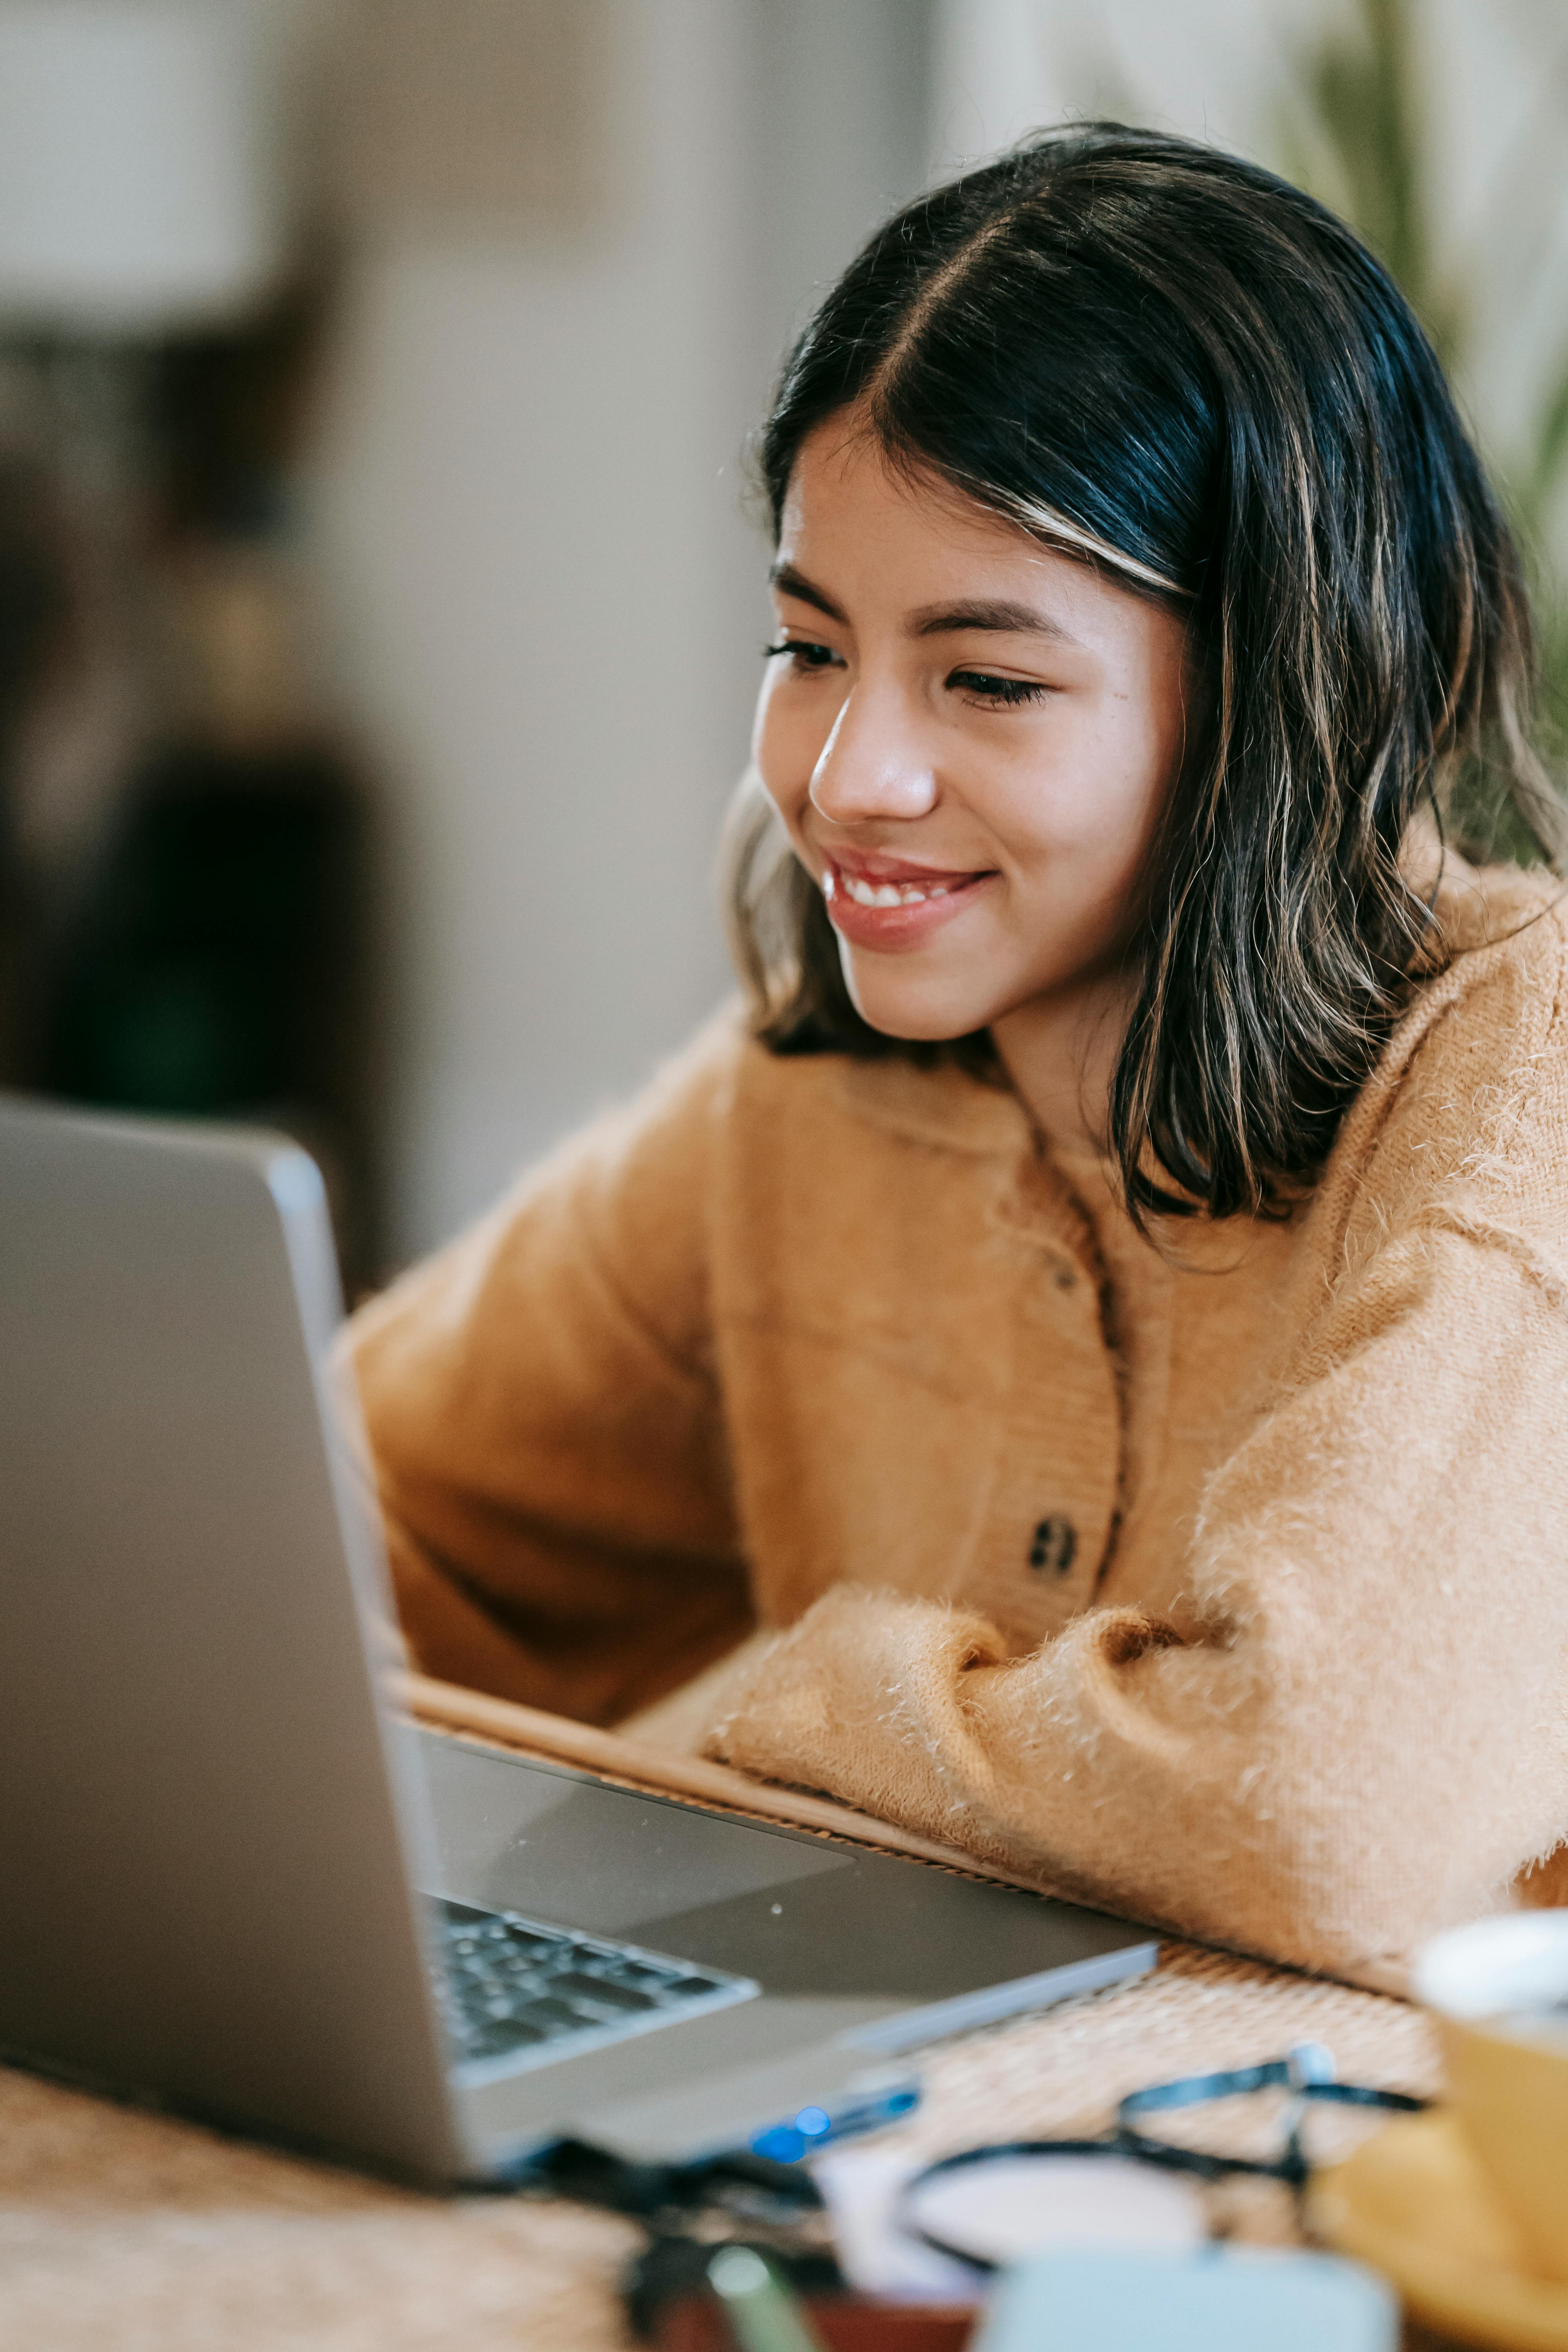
(1166, 363)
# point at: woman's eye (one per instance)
(982, 685)
(802, 652)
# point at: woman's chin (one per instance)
(911, 1015)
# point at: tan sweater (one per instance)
(1228, 1586)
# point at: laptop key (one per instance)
(602, 1989)
(523, 1939)
(513, 2035)
(552, 2016)
(638, 1972)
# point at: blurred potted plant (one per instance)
(1356, 132)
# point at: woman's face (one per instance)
(969, 739)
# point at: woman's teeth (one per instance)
(891, 894)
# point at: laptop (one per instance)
(236, 1883)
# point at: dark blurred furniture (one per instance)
(211, 965)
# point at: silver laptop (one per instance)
(233, 1881)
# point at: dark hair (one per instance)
(1167, 362)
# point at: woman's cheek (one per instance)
(785, 747)
(770, 729)
(762, 720)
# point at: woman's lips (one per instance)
(882, 902)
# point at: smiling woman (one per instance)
(1099, 1314)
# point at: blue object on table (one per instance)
(814, 2128)
(1212, 2301)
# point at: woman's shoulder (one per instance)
(1498, 990)
(1471, 1091)
(1513, 912)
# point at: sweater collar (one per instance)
(944, 1107)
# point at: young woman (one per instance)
(1102, 1308)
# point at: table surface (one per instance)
(124, 2231)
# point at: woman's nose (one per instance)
(872, 766)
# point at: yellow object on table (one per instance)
(1414, 2203)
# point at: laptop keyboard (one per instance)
(514, 1991)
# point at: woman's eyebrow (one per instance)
(998, 613)
(987, 613)
(791, 583)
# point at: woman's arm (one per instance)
(1367, 1737)
(545, 1429)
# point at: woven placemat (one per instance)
(121, 2231)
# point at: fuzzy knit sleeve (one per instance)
(1365, 1737)
(543, 1418)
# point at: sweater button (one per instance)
(1054, 1545)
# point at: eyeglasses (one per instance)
(1306, 2073)
(742, 2198)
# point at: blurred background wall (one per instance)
(541, 588)
(379, 610)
